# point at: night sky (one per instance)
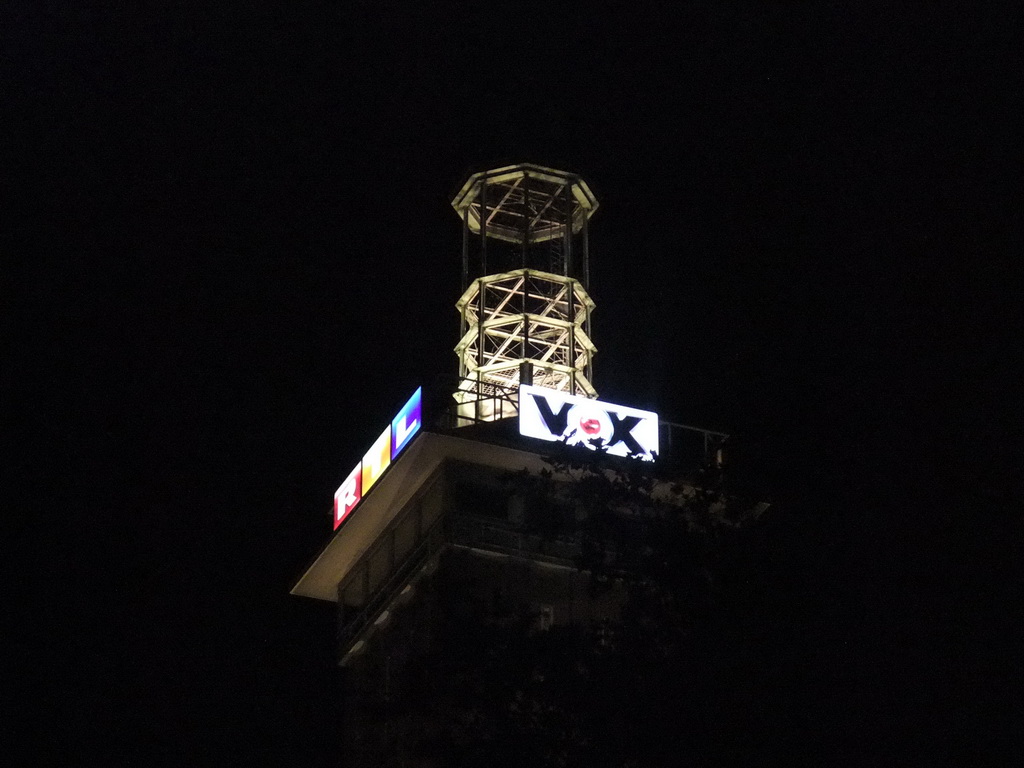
(229, 256)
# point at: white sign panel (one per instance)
(622, 431)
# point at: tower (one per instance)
(443, 527)
(525, 307)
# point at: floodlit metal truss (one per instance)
(525, 203)
(526, 313)
(524, 325)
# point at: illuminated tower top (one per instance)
(525, 306)
(522, 207)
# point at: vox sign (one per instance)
(550, 415)
(384, 450)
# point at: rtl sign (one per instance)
(621, 431)
(383, 451)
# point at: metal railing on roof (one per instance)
(504, 538)
(488, 401)
(354, 619)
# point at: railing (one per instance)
(504, 398)
(480, 401)
(415, 535)
(460, 530)
(504, 538)
(682, 444)
(354, 622)
(449, 528)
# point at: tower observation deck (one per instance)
(525, 308)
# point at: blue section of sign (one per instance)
(407, 423)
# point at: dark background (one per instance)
(230, 256)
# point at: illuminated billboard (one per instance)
(547, 414)
(384, 450)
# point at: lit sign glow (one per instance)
(346, 497)
(383, 451)
(406, 423)
(622, 431)
(376, 459)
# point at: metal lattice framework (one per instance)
(525, 202)
(524, 325)
(526, 315)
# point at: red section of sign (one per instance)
(590, 426)
(348, 495)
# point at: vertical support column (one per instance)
(524, 349)
(586, 256)
(586, 287)
(480, 295)
(483, 227)
(481, 317)
(526, 219)
(465, 281)
(567, 261)
(572, 336)
(465, 249)
(572, 355)
(590, 356)
(464, 354)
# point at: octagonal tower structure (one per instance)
(525, 308)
